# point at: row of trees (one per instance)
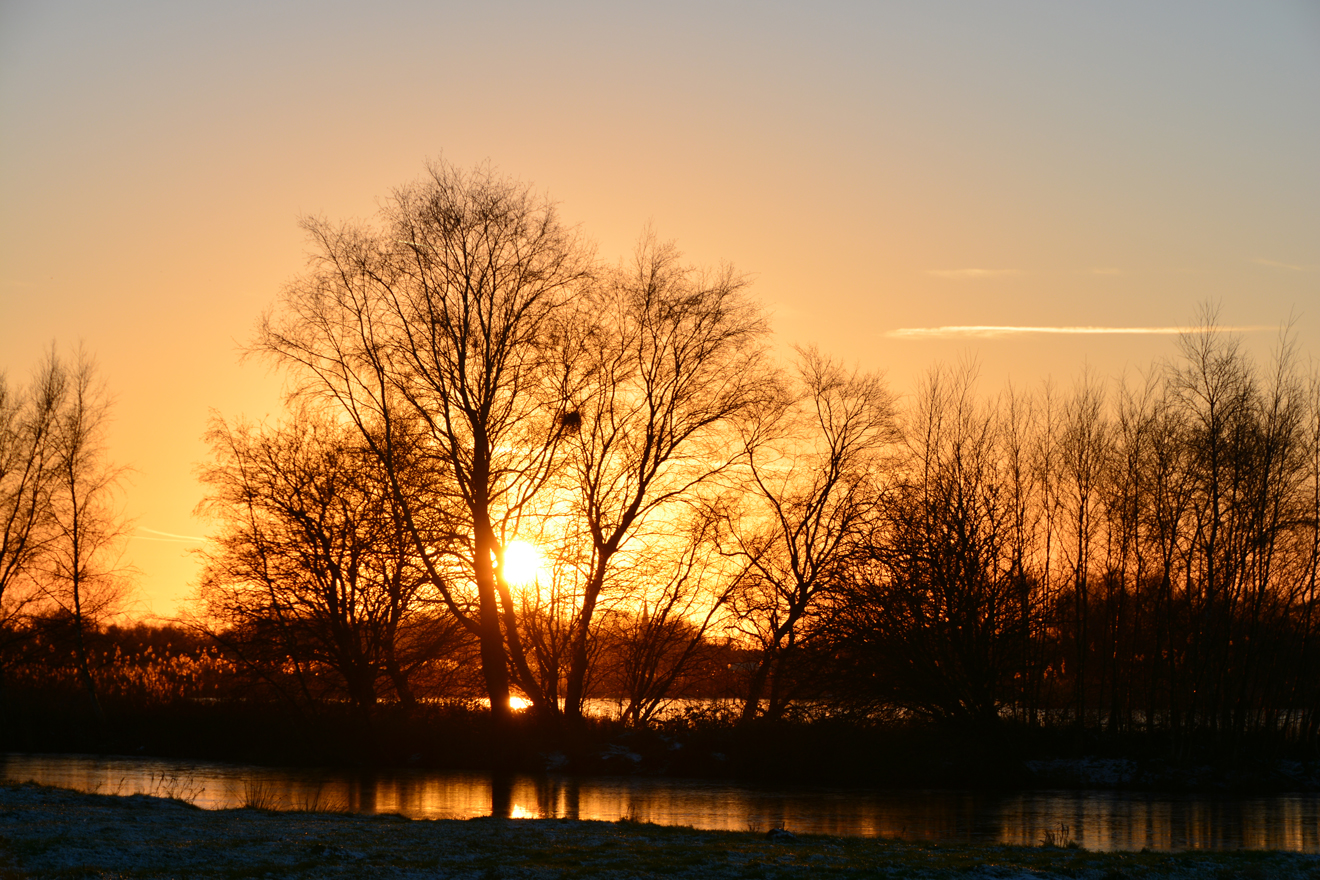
(61, 528)
(1146, 561)
(465, 376)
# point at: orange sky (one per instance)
(876, 167)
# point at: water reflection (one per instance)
(1097, 820)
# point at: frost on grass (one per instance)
(46, 832)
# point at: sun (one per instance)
(522, 562)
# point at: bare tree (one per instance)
(80, 562)
(1024, 497)
(812, 498)
(934, 617)
(1083, 461)
(1303, 706)
(28, 460)
(313, 565)
(1131, 565)
(676, 361)
(443, 316)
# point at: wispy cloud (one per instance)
(971, 274)
(1289, 266)
(1106, 271)
(985, 331)
(168, 536)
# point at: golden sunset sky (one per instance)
(880, 169)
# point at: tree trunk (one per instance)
(577, 664)
(494, 664)
(84, 668)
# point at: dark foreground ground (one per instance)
(53, 833)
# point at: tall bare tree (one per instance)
(935, 617)
(28, 463)
(1083, 462)
(676, 363)
(80, 562)
(812, 498)
(1303, 712)
(444, 315)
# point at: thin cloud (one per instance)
(168, 536)
(987, 331)
(1289, 266)
(1106, 271)
(966, 274)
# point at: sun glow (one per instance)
(522, 562)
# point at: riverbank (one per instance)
(56, 833)
(710, 746)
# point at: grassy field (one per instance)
(54, 833)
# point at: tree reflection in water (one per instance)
(1098, 820)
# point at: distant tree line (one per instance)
(788, 541)
(1127, 558)
(1141, 559)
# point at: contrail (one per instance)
(168, 536)
(988, 330)
(1274, 264)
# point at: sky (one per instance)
(885, 173)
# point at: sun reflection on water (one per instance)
(1097, 820)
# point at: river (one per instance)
(1097, 820)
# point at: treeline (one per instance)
(472, 389)
(1122, 559)
(1127, 558)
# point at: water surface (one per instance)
(1098, 820)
